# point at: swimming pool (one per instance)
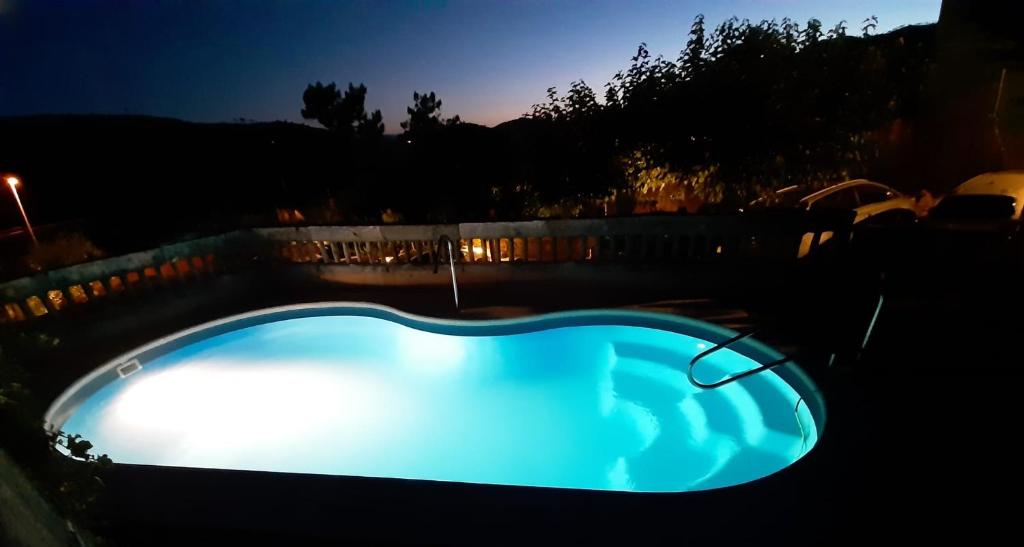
(583, 400)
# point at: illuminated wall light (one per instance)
(520, 249)
(97, 289)
(57, 300)
(181, 266)
(13, 312)
(167, 271)
(503, 250)
(477, 248)
(77, 293)
(36, 306)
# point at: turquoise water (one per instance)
(592, 407)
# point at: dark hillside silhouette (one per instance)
(143, 175)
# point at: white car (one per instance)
(978, 223)
(986, 198)
(865, 198)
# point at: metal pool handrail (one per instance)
(451, 263)
(800, 424)
(733, 378)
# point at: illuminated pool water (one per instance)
(588, 400)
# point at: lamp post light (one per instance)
(13, 182)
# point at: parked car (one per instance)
(866, 199)
(985, 199)
(979, 223)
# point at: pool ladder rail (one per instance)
(773, 364)
(444, 240)
(729, 379)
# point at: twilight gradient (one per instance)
(217, 61)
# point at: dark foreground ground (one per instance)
(920, 441)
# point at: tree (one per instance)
(692, 58)
(581, 100)
(320, 102)
(551, 110)
(343, 114)
(746, 108)
(425, 115)
(573, 155)
(372, 127)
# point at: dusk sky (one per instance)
(217, 61)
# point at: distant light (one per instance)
(13, 182)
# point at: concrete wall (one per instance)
(634, 249)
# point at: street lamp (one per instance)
(13, 182)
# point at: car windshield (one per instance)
(975, 207)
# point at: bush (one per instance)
(65, 249)
(71, 484)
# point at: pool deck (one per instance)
(132, 321)
(919, 430)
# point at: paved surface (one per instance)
(25, 517)
(91, 335)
